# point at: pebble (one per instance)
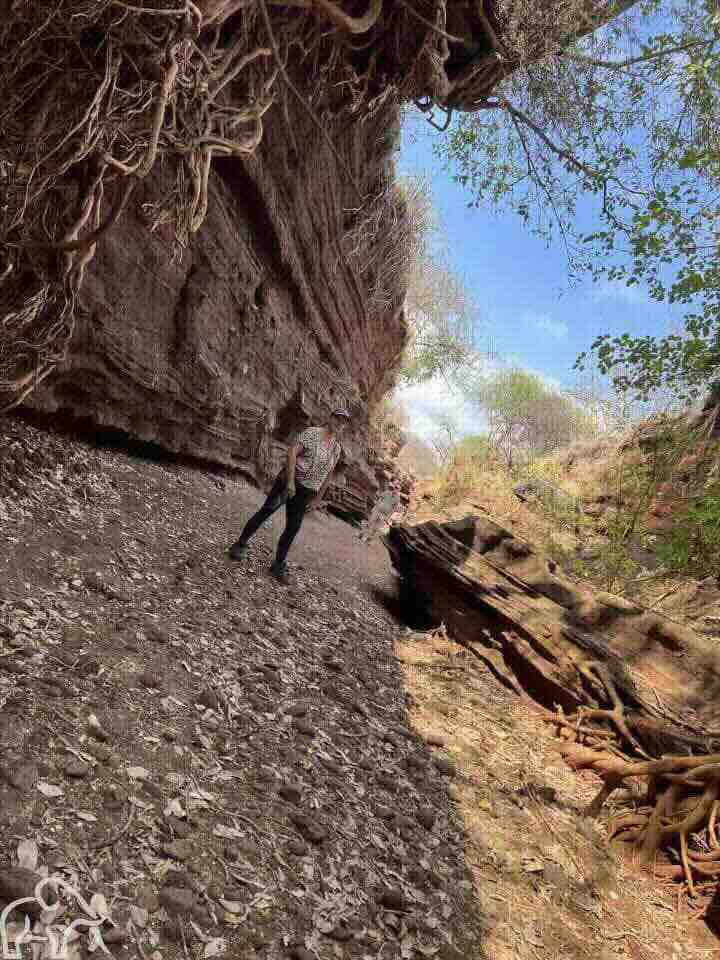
(157, 634)
(115, 935)
(99, 751)
(392, 899)
(300, 953)
(401, 822)
(388, 782)
(426, 817)
(180, 827)
(297, 848)
(177, 900)
(208, 698)
(115, 798)
(150, 680)
(76, 768)
(178, 849)
(23, 778)
(243, 848)
(147, 899)
(445, 767)
(309, 828)
(302, 726)
(292, 792)
(296, 710)
(435, 741)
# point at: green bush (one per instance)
(693, 545)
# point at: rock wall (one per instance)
(261, 326)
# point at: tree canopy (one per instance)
(621, 125)
(441, 313)
(525, 415)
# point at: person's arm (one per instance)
(293, 452)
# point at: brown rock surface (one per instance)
(262, 326)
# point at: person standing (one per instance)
(300, 485)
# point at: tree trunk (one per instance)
(653, 680)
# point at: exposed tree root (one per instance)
(682, 800)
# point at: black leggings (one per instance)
(295, 509)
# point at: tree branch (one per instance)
(631, 61)
(517, 114)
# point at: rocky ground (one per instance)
(223, 766)
(228, 762)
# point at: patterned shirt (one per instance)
(318, 458)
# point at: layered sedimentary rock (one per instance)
(262, 326)
(258, 137)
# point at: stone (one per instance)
(157, 634)
(297, 848)
(177, 900)
(426, 817)
(181, 828)
(391, 898)
(147, 899)
(435, 740)
(115, 935)
(17, 883)
(296, 710)
(178, 849)
(309, 828)
(208, 698)
(387, 782)
(76, 768)
(302, 726)
(292, 792)
(98, 750)
(149, 679)
(445, 767)
(402, 822)
(23, 778)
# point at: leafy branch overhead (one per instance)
(621, 124)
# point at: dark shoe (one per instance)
(280, 573)
(237, 551)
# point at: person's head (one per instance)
(339, 421)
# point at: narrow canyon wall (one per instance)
(262, 325)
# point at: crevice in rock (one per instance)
(85, 429)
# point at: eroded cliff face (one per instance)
(263, 325)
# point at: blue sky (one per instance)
(530, 314)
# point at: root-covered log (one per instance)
(626, 687)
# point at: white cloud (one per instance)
(557, 329)
(426, 403)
